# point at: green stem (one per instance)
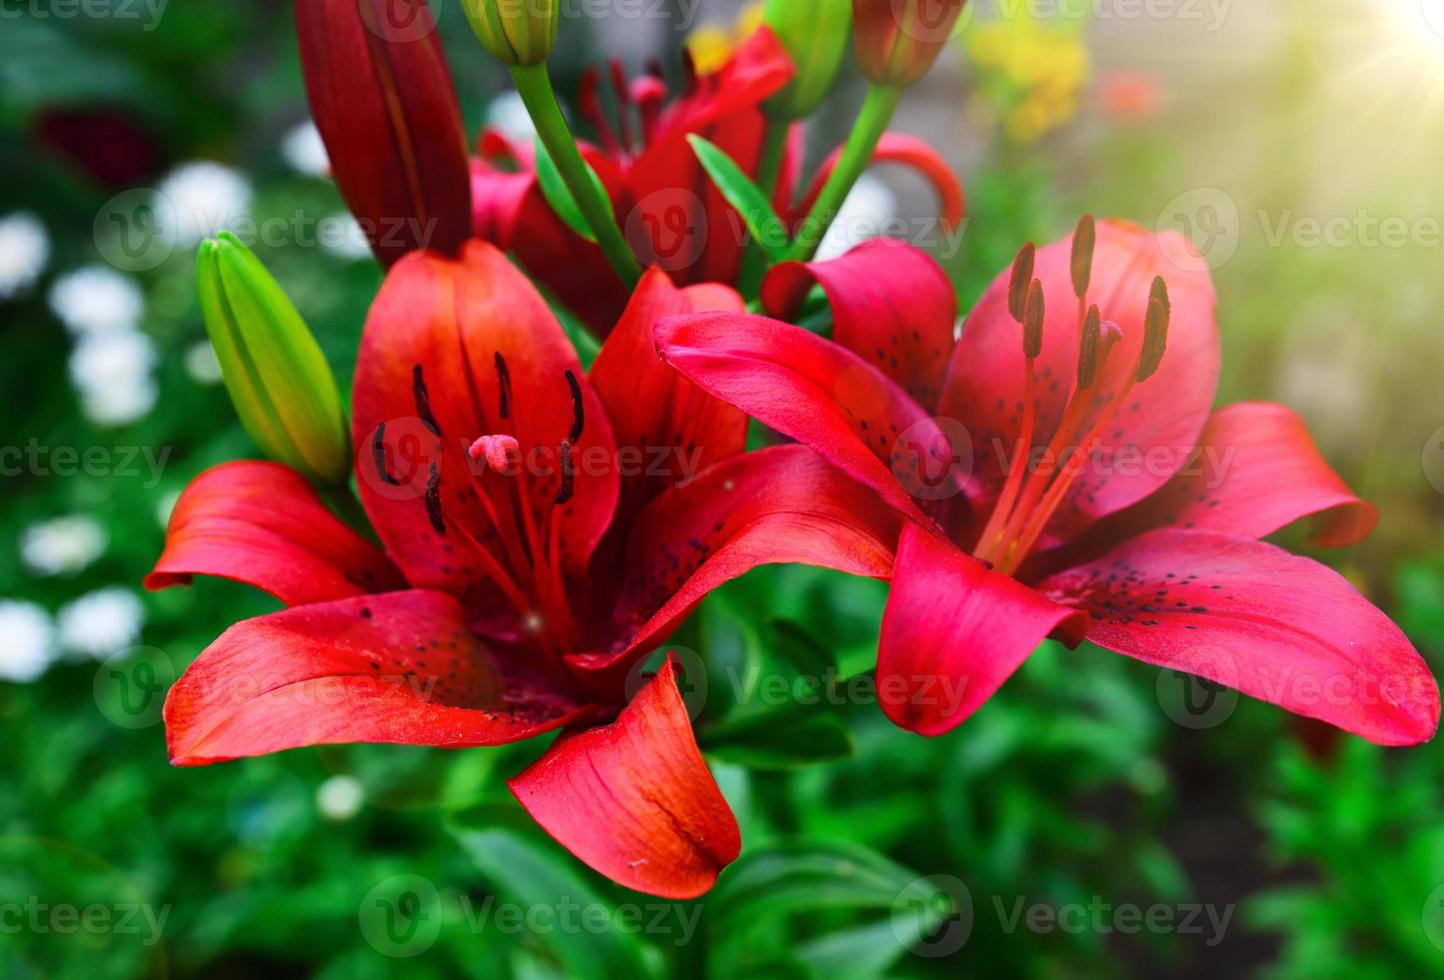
(769, 168)
(877, 112)
(343, 504)
(534, 85)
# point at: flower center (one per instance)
(528, 569)
(1031, 494)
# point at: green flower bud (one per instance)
(277, 377)
(815, 35)
(519, 32)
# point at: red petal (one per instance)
(954, 631)
(400, 668)
(452, 318)
(1257, 471)
(1253, 617)
(913, 152)
(497, 197)
(773, 506)
(656, 413)
(263, 524)
(634, 799)
(892, 305)
(817, 392)
(1164, 414)
(382, 97)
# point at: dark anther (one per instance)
(433, 499)
(1018, 284)
(568, 486)
(423, 400)
(578, 417)
(503, 380)
(378, 454)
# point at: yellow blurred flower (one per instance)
(1030, 71)
(712, 44)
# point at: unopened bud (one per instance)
(277, 377)
(898, 40)
(517, 32)
(815, 36)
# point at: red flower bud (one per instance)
(898, 40)
(382, 97)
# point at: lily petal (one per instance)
(634, 799)
(892, 305)
(1256, 471)
(1164, 414)
(816, 392)
(909, 151)
(655, 412)
(773, 506)
(263, 524)
(398, 668)
(1250, 616)
(954, 631)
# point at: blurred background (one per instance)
(1297, 143)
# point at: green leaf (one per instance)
(762, 221)
(559, 195)
(533, 877)
(780, 740)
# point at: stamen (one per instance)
(649, 92)
(578, 415)
(503, 381)
(1088, 348)
(624, 102)
(1018, 284)
(568, 486)
(423, 400)
(378, 455)
(433, 499)
(1084, 238)
(1033, 321)
(499, 451)
(591, 108)
(1155, 330)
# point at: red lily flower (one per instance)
(666, 205)
(534, 553)
(1144, 536)
(381, 95)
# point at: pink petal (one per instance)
(892, 306)
(1250, 616)
(954, 631)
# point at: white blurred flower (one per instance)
(27, 641)
(62, 545)
(340, 798)
(165, 506)
(342, 236)
(24, 250)
(97, 299)
(202, 365)
(507, 114)
(201, 199)
(101, 623)
(304, 150)
(864, 214)
(112, 372)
